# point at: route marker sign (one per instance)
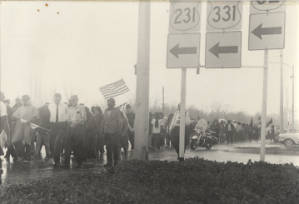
(267, 31)
(262, 6)
(223, 50)
(224, 15)
(184, 17)
(183, 50)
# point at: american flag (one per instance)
(114, 89)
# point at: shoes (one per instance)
(56, 166)
(79, 165)
(108, 166)
(66, 166)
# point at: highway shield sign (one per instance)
(224, 15)
(264, 6)
(184, 17)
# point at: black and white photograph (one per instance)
(149, 102)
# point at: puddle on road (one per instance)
(23, 172)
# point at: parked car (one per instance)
(289, 138)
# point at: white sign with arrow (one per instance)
(267, 31)
(183, 50)
(223, 50)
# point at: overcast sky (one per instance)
(76, 47)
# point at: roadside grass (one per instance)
(191, 181)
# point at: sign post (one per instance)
(264, 106)
(266, 31)
(182, 114)
(183, 50)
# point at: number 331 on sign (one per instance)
(224, 15)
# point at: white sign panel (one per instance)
(224, 15)
(266, 31)
(223, 50)
(264, 6)
(183, 50)
(184, 17)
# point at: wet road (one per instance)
(22, 172)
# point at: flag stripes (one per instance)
(114, 89)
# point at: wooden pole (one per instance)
(142, 87)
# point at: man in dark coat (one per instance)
(112, 130)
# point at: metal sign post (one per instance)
(264, 106)
(183, 49)
(281, 93)
(182, 114)
(266, 32)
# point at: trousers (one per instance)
(113, 145)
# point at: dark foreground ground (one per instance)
(191, 181)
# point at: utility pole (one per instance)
(281, 92)
(142, 86)
(163, 102)
(293, 97)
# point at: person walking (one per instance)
(10, 148)
(42, 132)
(58, 127)
(4, 123)
(175, 130)
(131, 119)
(156, 131)
(22, 137)
(124, 135)
(99, 122)
(230, 130)
(76, 129)
(112, 130)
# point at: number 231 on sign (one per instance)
(184, 17)
(224, 15)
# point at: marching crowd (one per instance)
(165, 130)
(65, 129)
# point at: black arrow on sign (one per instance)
(216, 49)
(260, 31)
(177, 50)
